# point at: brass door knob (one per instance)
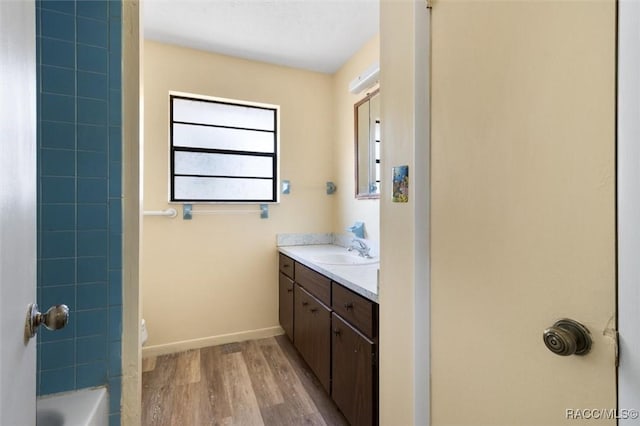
(567, 337)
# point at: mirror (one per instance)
(367, 142)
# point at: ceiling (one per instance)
(317, 35)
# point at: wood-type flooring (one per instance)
(256, 382)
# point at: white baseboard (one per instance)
(185, 345)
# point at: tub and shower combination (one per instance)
(86, 407)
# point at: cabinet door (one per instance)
(285, 309)
(312, 334)
(353, 373)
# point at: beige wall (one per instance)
(404, 303)
(348, 208)
(216, 275)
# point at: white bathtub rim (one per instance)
(82, 407)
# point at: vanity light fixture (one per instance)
(366, 79)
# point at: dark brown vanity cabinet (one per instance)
(336, 332)
(285, 295)
(354, 325)
(312, 335)
(353, 367)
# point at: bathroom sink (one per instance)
(343, 259)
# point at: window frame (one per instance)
(275, 155)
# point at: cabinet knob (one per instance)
(336, 331)
(289, 290)
(305, 303)
(314, 310)
(348, 306)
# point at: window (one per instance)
(223, 151)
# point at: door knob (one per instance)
(55, 318)
(567, 337)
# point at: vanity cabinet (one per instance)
(336, 332)
(354, 325)
(312, 335)
(353, 364)
(285, 295)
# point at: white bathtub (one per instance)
(86, 407)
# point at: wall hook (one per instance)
(331, 188)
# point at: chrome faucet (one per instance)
(361, 247)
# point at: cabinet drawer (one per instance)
(314, 283)
(286, 266)
(354, 308)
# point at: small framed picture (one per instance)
(400, 184)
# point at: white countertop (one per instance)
(362, 279)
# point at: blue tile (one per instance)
(115, 322)
(92, 111)
(114, 419)
(115, 287)
(89, 375)
(92, 217)
(92, 138)
(58, 108)
(58, 53)
(115, 251)
(115, 36)
(115, 358)
(93, 85)
(115, 8)
(57, 25)
(56, 162)
(115, 179)
(54, 381)
(115, 143)
(93, 9)
(92, 243)
(65, 6)
(115, 107)
(92, 190)
(91, 323)
(58, 217)
(90, 349)
(92, 296)
(91, 270)
(57, 272)
(58, 135)
(115, 388)
(115, 215)
(68, 332)
(115, 71)
(58, 80)
(58, 189)
(57, 354)
(57, 295)
(92, 58)
(92, 164)
(92, 32)
(58, 244)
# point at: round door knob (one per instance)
(55, 318)
(567, 337)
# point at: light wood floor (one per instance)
(258, 382)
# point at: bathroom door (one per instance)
(523, 211)
(17, 210)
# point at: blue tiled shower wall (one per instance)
(80, 194)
